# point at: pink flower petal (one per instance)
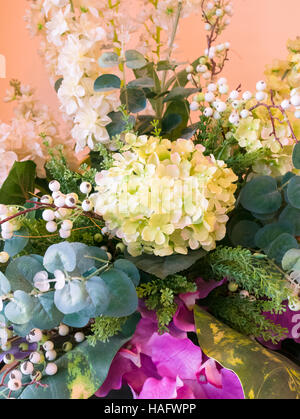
(166, 388)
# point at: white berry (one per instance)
(35, 357)
(51, 226)
(51, 355)
(295, 100)
(35, 335)
(48, 215)
(208, 112)
(14, 385)
(46, 199)
(247, 95)
(27, 368)
(54, 186)
(87, 205)
(51, 369)
(244, 113)
(261, 86)
(63, 330)
(48, 346)
(261, 96)
(285, 104)
(15, 375)
(4, 257)
(79, 337)
(194, 106)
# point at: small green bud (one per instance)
(120, 247)
(67, 346)
(23, 347)
(233, 286)
(98, 238)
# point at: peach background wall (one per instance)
(258, 34)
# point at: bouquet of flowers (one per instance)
(166, 257)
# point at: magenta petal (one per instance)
(190, 299)
(166, 388)
(184, 318)
(175, 357)
(113, 381)
(205, 287)
(209, 373)
(231, 387)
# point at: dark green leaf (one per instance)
(117, 125)
(292, 215)
(99, 295)
(170, 122)
(181, 108)
(188, 132)
(266, 235)
(243, 233)
(136, 99)
(293, 192)
(19, 183)
(58, 84)
(107, 82)
(261, 195)
(161, 267)
(280, 246)
(296, 156)
(179, 93)
(129, 268)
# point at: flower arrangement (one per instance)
(172, 249)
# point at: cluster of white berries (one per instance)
(65, 204)
(43, 357)
(234, 104)
(217, 9)
(293, 102)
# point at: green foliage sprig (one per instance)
(104, 328)
(259, 276)
(159, 295)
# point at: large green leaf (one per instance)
(82, 371)
(293, 216)
(72, 298)
(118, 124)
(261, 195)
(162, 267)
(179, 93)
(19, 183)
(5, 287)
(263, 374)
(61, 257)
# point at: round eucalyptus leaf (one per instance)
(266, 235)
(291, 260)
(5, 287)
(143, 82)
(292, 215)
(21, 271)
(45, 314)
(99, 295)
(108, 59)
(280, 246)
(296, 156)
(79, 319)
(61, 257)
(16, 244)
(107, 82)
(129, 269)
(243, 233)
(123, 297)
(261, 195)
(293, 192)
(72, 298)
(136, 99)
(20, 310)
(134, 59)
